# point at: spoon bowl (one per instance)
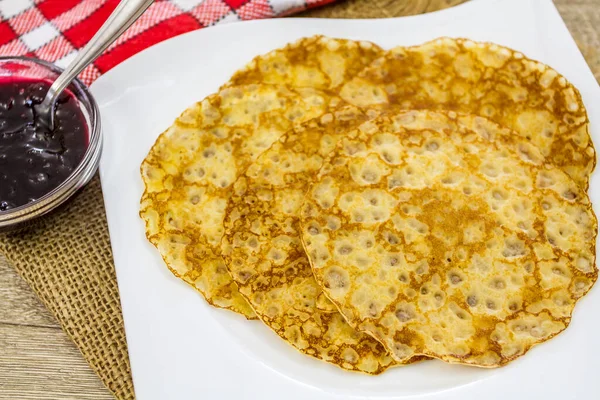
(126, 13)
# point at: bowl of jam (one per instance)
(40, 167)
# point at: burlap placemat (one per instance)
(66, 256)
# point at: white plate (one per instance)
(181, 348)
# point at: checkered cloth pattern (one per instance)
(53, 30)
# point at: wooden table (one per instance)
(37, 359)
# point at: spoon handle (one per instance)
(121, 18)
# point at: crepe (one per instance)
(190, 171)
(448, 236)
(266, 258)
(317, 61)
(487, 80)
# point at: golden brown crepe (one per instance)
(448, 236)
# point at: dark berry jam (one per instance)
(34, 160)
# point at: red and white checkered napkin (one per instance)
(53, 30)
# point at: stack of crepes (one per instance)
(375, 208)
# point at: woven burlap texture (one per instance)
(66, 259)
(66, 256)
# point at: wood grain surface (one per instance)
(37, 360)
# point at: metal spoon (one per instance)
(126, 13)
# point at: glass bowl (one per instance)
(32, 68)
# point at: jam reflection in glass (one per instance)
(34, 160)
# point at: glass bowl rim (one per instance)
(84, 171)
